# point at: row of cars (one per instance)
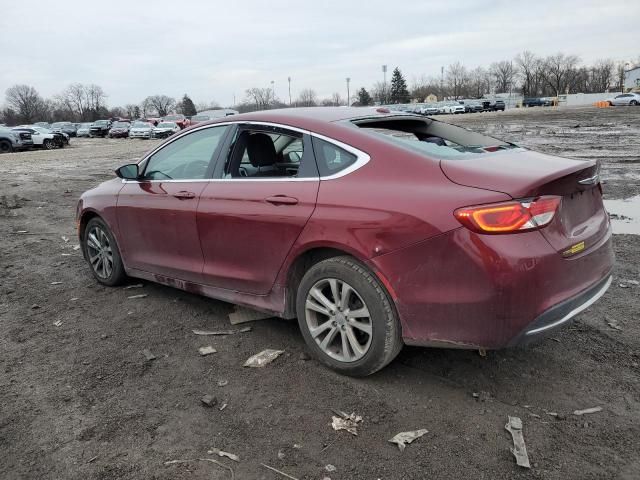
(451, 107)
(24, 137)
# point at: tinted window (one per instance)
(186, 158)
(331, 158)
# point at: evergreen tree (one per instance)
(399, 92)
(188, 108)
(364, 98)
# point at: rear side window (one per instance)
(331, 158)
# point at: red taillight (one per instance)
(509, 217)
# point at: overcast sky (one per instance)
(215, 49)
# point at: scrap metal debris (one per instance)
(263, 358)
(209, 400)
(142, 295)
(519, 450)
(56, 283)
(346, 422)
(285, 475)
(243, 315)
(208, 350)
(220, 453)
(223, 406)
(148, 355)
(57, 323)
(587, 411)
(402, 439)
(221, 332)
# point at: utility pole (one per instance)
(348, 93)
(384, 84)
(442, 82)
(289, 80)
(273, 90)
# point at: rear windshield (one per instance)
(434, 139)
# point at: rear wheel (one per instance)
(48, 144)
(633, 102)
(347, 318)
(101, 251)
(5, 146)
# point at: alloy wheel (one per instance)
(99, 252)
(338, 320)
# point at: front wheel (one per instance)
(347, 318)
(633, 102)
(48, 144)
(102, 253)
(5, 146)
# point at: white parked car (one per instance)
(165, 129)
(83, 130)
(452, 107)
(141, 130)
(43, 137)
(625, 99)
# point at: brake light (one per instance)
(509, 217)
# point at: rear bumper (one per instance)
(560, 315)
(465, 290)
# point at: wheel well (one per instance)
(299, 267)
(83, 222)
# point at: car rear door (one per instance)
(253, 211)
(157, 213)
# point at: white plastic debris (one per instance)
(76, 247)
(587, 411)
(137, 285)
(330, 468)
(220, 453)
(56, 283)
(223, 383)
(346, 422)
(519, 450)
(148, 355)
(65, 239)
(57, 323)
(221, 332)
(132, 297)
(208, 350)
(402, 439)
(263, 358)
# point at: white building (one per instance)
(632, 78)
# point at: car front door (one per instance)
(157, 213)
(264, 191)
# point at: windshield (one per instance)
(41, 129)
(141, 125)
(121, 125)
(173, 117)
(101, 122)
(85, 125)
(166, 125)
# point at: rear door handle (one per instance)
(282, 200)
(183, 195)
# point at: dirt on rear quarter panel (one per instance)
(81, 401)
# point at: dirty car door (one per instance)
(251, 214)
(157, 213)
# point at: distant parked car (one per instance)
(165, 129)
(200, 118)
(42, 137)
(64, 127)
(100, 128)
(471, 106)
(429, 109)
(179, 119)
(83, 129)
(533, 102)
(625, 99)
(140, 129)
(14, 140)
(452, 107)
(120, 130)
(498, 105)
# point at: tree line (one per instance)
(527, 73)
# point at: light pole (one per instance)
(384, 84)
(442, 83)
(348, 93)
(289, 80)
(273, 90)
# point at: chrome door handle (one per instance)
(183, 195)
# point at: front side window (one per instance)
(331, 158)
(186, 158)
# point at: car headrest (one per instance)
(261, 151)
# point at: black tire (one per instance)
(5, 146)
(48, 144)
(633, 102)
(116, 275)
(385, 338)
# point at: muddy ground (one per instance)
(79, 400)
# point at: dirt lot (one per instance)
(79, 400)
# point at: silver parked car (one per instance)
(83, 130)
(625, 99)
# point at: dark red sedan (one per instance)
(374, 228)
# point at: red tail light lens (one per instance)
(509, 217)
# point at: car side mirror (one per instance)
(128, 172)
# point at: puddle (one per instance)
(625, 215)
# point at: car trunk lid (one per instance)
(581, 220)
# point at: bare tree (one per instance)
(162, 104)
(27, 103)
(307, 98)
(456, 77)
(529, 66)
(479, 82)
(380, 92)
(503, 74)
(558, 71)
(263, 98)
(601, 75)
(336, 99)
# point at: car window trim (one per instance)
(362, 158)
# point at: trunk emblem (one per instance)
(578, 247)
